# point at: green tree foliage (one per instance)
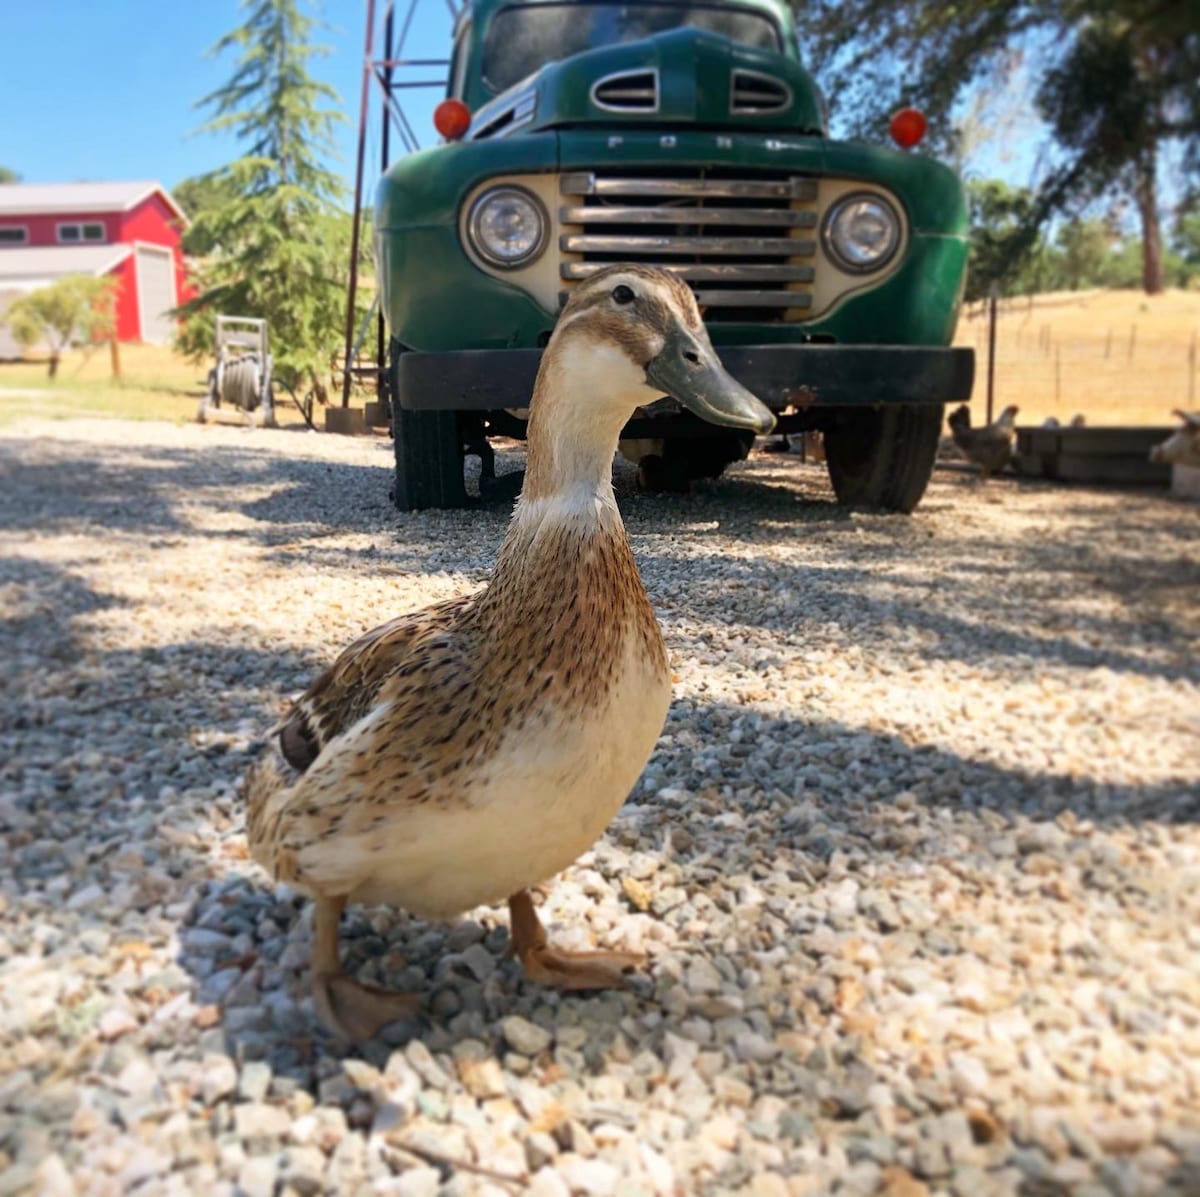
(278, 245)
(73, 310)
(1116, 82)
(9, 176)
(202, 195)
(1077, 254)
(1002, 247)
(1185, 244)
(1085, 248)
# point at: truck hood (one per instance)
(680, 78)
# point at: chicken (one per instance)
(989, 447)
(1183, 446)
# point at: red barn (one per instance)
(130, 231)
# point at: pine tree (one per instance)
(278, 242)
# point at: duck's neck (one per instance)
(578, 409)
(566, 568)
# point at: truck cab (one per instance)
(689, 136)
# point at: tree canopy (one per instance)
(277, 244)
(200, 196)
(1116, 83)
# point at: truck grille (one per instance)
(747, 245)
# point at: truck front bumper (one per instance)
(798, 377)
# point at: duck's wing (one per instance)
(419, 724)
(350, 687)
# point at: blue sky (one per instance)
(112, 88)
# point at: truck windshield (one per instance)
(523, 38)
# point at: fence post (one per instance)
(1192, 372)
(993, 293)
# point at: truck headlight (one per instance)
(507, 226)
(861, 232)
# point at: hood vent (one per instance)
(504, 120)
(755, 94)
(628, 91)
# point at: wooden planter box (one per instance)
(1120, 455)
(346, 420)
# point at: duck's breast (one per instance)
(556, 779)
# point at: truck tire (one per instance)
(429, 454)
(883, 457)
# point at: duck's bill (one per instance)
(689, 370)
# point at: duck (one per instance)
(464, 754)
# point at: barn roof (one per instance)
(27, 199)
(38, 264)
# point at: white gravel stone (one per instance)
(524, 1036)
(114, 1023)
(218, 1078)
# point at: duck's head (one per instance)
(631, 334)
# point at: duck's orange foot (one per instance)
(579, 970)
(357, 1012)
(563, 970)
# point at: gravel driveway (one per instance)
(916, 862)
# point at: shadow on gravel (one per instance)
(91, 492)
(40, 603)
(1012, 605)
(141, 489)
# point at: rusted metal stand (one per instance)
(383, 67)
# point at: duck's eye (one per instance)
(623, 294)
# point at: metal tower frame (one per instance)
(382, 60)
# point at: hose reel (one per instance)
(241, 378)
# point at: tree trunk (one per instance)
(52, 370)
(1146, 193)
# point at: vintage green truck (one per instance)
(689, 135)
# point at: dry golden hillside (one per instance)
(1117, 357)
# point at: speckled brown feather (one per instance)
(350, 686)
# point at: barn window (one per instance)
(90, 231)
(13, 234)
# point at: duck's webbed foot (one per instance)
(351, 1009)
(563, 970)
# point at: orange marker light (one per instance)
(452, 118)
(908, 127)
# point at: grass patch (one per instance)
(156, 384)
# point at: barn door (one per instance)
(156, 293)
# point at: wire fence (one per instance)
(1112, 357)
